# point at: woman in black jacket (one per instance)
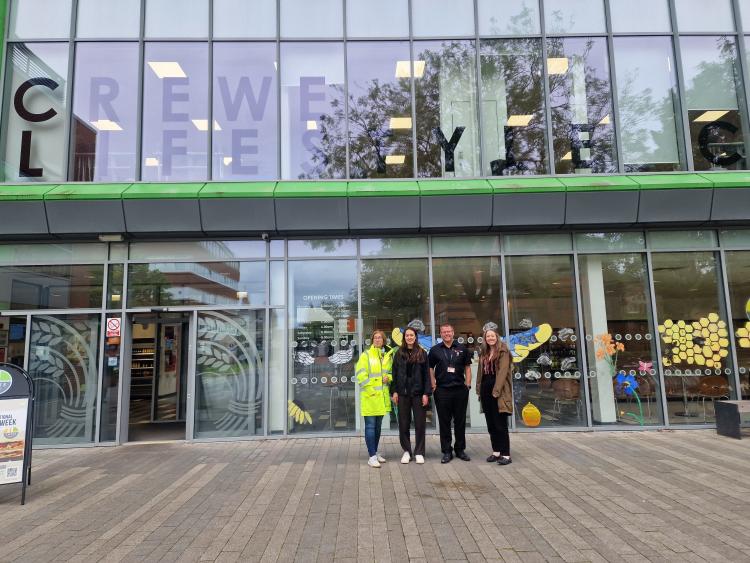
(411, 389)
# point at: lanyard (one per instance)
(449, 356)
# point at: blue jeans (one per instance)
(372, 433)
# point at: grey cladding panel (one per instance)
(77, 217)
(162, 216)
(383, 213)
(675, 206)
(240, 215)
(731, 204)
(311, 214)
(529, 210)
(601, 208)
(456, 212)
(23, 218)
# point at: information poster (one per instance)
(12, 435)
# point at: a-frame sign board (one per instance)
(16, 417)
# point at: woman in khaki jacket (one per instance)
(494, 387)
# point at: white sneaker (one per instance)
(419, 459)
(406, 458)
(381, 459)
(373, 461)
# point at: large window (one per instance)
(648, 103)
(105, 113)
(513, 116)
(26, 23)
(581, 103)
(245, 133)
(51, 287)
(385, 18)
(35, 111)
(176, 18)
(108, 19)
(715, 104)
(230, 375)
(622, 376)
(510, 17)
(544, 339)
(313, 116)
(694, 337)
(445, 84)
(197, 283)
(738, 265)
(64, 366)
(322, 345)
(175, 112)
(380, 117)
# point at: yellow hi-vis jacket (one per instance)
(373, 367)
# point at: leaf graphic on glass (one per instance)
(304, 358)
(229, 386)
(64, 368)
(342, 356)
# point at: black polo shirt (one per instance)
(442, 358)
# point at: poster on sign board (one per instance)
(13, 414)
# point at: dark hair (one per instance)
(414, 356)
(444, 325)
(489, 353)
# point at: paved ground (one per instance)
(629, 496)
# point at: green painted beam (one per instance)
(230, 190)
(25, 192)
(526, 184)
(86, 191)
(363, 188)
(598, 183)
(163, 191)
(453, 187)
(383, 189)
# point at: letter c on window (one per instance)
(21, 92)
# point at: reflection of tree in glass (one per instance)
(580, 99)
(328, 145)
(395, 290)
(371, 138)
(148, 287)
(523, 23)
(714, 87)
(512, 79)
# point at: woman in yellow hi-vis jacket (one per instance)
(373, 374)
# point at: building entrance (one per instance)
(158, 376)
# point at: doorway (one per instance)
(158, 376)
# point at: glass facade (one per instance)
(607, 329)
(289, 89)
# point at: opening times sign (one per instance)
(13, 414)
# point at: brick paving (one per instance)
(627, 496)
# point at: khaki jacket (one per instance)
(503, 389)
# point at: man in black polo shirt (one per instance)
(450, 371)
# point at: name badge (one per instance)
(451, 370)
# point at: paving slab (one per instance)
(593, 496)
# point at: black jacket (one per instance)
(418, 384)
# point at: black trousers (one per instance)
(497, 423)
(409, 405)
(451, 403)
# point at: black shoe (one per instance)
(462, 455)
(446, 458)
(492, 459)
(504, 461)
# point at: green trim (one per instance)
(671, 181)
(363, 188)
(383, 189)
(453, 187)
(527, 185)
(25, 192)
(598, 183)
(231, 190)
(311, 189)
(163, 191)
(86, 192)
(728, 179)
